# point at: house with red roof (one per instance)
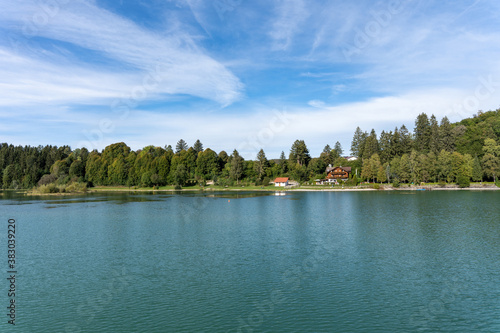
(281, 181)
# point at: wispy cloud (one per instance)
(290, 15)
(180, 65)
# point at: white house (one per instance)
(281, 181)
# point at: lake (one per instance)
(304, 262)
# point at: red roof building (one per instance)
(281, 181)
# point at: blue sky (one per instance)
(237, 73)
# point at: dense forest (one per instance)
(434, 152)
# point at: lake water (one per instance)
(303, 262)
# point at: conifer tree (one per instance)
(198, 146)
(299, 153)
(358, 142)
(338, 149)
(181, 145)
(446, 135)
(435, 140)
(422, 133)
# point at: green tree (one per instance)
(376, 167)
(423, 168)
(299, 153)
(338, 148)
(317, 167)
(133, 176)
(431, 166)
(396, 144)
(406, 140)
(491, 159)
(444, 165)
(198, 146)
(477, 170)
(327, 156)
(8, 176)
(381, 175)
(422, 133)
(180, 146)
(456, 166)
(146, 179)
(371, 145)
(94, 169)
(283, 166)
(388, 171)
(405, 168)
(299, 172)
(59, 168)
(207, 164)
(236, 169)
(169, 149)
(396, 167)
(117, 172)
(261, 164)
(367, 171)
(435, 139)
(385, 146)
(223, 159)
(414, 167)
(164, 167)
(358, 142)
(446, 135)
(180, 175)
(491, 166)
(77, 168)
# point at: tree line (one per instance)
(433, 152)
(460, 152)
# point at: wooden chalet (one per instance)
(336, 173)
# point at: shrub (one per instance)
(376, 186)
(497, 183)
(47, 179)
(441, 183)
(177, 187)
(265, 181)
(49, 188)
(62, 180)
(463, 181)
(396, 183)
(76, 187)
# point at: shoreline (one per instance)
(382, 188)
(101, 190)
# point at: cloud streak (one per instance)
(180, 65)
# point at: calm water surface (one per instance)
(304, 262)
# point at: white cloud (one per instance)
(181, 67)
(316, 103)
(291, 13)
(269, 128)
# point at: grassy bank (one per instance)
(361, 187)
(81, 188)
